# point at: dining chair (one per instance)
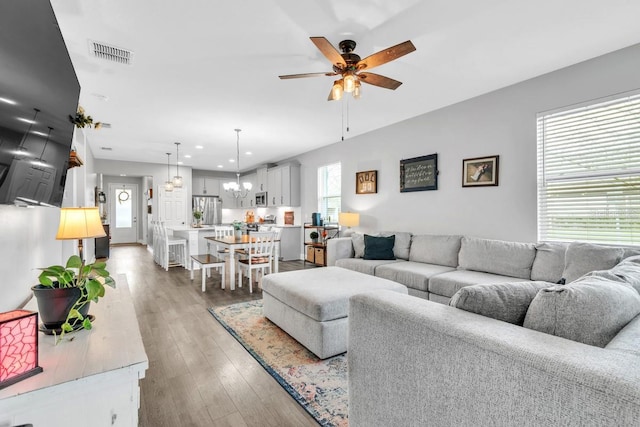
(258, 257)
(207, 262)
(222, 231)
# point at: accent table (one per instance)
(99, 369)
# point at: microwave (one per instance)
(261, 199)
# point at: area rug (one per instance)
(319, 386)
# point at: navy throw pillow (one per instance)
(378, 247)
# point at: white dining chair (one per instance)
(259, 256)
(207, 262)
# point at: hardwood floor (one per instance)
(199, 375)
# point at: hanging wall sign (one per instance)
(419, 173)
(367, 182)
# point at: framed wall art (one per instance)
(419, 173)
(367, 182)
(480, 171)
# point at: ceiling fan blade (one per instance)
(378, 80)
(330, 52)
(386, 55)
(298, 76)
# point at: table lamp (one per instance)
(18, 346)
(80, 223)
(349, 219)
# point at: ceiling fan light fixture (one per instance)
(357, 90)
(336, 91)
(349, 82)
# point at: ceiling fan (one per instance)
(354, 70)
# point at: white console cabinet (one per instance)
(92, 380)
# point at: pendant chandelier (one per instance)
(177, 180)
(168, 185)
(233, 187)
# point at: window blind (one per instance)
(589, 172)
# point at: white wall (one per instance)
(499, 123)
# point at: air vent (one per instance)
(105, 125)
(110, 53)
(106, 148)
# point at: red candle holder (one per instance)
(18, 346)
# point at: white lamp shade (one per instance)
(177, 181)
(349, 219)
(247, 186)
(79, 223)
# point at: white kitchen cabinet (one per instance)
(197, 185)
(261, 179)
(99, 369)
(205, 186)
(228, 201)
(290, 242)
(284, 185)
(248, 202)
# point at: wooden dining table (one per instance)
(234, 243)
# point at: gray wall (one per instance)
(501, 122)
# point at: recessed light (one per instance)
(181, 163)
(220, 166)
(199, 147)
(8, 101)
(123, 174)
(232, 161)
(187, 156)
(22, 119)
(248, 153)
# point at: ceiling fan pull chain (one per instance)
(342, 117)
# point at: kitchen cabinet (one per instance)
(316, 252)
(261, 180)
(284, 185)
(290, 239)
(205, 186)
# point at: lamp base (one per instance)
(23, 376)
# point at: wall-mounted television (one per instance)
(39, 90)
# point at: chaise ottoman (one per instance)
(312, 305)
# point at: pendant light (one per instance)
(168, 185)
(233, 187)
(21, 151)
(177, 180)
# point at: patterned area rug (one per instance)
(320, 386)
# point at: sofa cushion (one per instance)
(628, 338)
(627, 271)
(508, 301)
(402, 244)
(447, 284)
(497, 256)
(548, 264)
(414, 275)
(435, 249)
(367, 266)
(378, 247)
(357, 239)
(581, 258)
(590, 310)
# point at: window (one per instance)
(329, 191)
(589, 172)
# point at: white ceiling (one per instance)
(202, 68)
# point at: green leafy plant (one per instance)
(314, 235)
(237, 225)
(90, 279)
(197, 215)
(81, 120)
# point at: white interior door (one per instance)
(123, 213)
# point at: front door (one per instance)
(123, 215)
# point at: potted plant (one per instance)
(314, 236)
(237, 229)
(197, 215)
(82, 120)
(64, 294)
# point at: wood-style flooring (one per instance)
(199, 375)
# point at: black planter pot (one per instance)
(54, 304)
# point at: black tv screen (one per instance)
(39, 90)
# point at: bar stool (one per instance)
(173, 246)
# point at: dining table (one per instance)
(234, 243)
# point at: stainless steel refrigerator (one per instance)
(211, 208)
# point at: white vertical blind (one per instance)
(330, 191)
(589, 172)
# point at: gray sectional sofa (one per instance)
(513, 347)
(435, 267)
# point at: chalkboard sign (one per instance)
(419, 173)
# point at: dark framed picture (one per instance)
(419, 173)
(480, 172)
(367, 182)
